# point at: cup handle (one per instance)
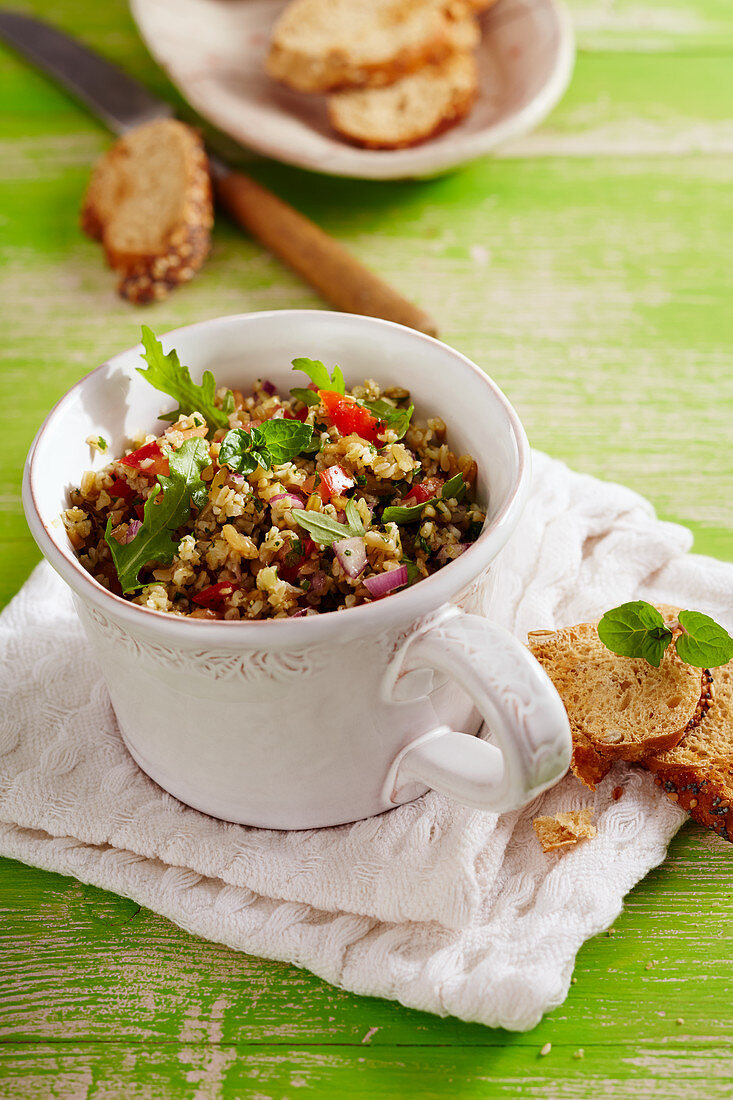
(530, 745)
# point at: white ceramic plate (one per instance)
(214, 51)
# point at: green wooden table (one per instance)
(589, 271)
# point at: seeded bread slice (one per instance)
(416, 108)
(149, 203)
(325, 45)
(698, 772)
(620, 708)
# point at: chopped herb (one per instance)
(167, 507)
(360, 479)
(102, 443)
(305, 584)
(421, 544)
(319, 375)
(271, 444)
(325, 530)
(474, 530)
(167, 374)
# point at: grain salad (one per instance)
(265, 505)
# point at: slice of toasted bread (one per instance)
(698, 772)
(416, 108)
(325, 45)
(564, 829)
(149, 203)
(619, 707)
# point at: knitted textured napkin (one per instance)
(438, 906)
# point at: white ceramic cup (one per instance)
(299, 723)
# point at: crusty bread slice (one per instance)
(698, 772)
(564, 829)
(619, 707)
(412, 110)
(325, 45)
(149, 203)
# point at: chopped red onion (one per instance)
(341, 517)
(269, 387)
(382, 583)
(293, 498)
(238, 479)
(318, 582)
(132, 530)
(302, 612)
(351, 554)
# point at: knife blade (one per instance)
(119, 101)
(122, 103)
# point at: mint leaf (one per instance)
(271, 444)
(398, 513)
(396, 419)
(236, 452)
(284, 439)
(167, 507)
(325, 530)
(703, 644)
(635, 629)
(319, 375)
(167, 374)
(308, 397)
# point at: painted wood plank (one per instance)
(80, 965)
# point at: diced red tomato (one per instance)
(291, 558)
(140, 511)
(215, 595)
(425, 490)
(139, 460)
(302, 415)
(334, 483)
(349, 417)
(120, 488)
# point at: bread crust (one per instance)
(704, 786)
(149, 275)
(310, 62)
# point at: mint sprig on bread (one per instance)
(637, 629)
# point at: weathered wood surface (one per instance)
(588, 270)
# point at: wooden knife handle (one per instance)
(318, 258)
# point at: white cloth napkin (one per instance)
(443, 908)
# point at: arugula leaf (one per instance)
(398, 513)
(704, 643)
(271, 444)
(413, 573)
(396, 419)
(456, 488)
(319, 375)
(325, 530)
(167, 374)
(187, 463)
(308, 397)
(167, 507)
(635, 629)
